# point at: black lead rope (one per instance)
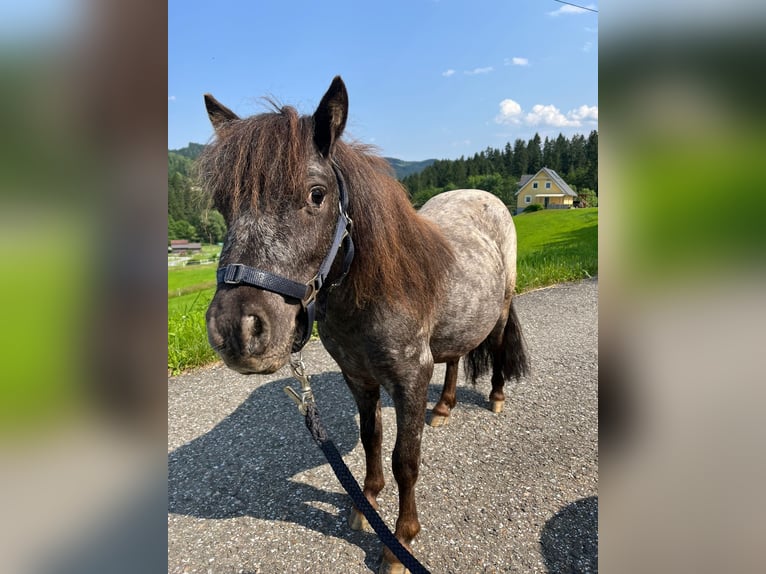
(347, 480)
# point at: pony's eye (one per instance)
(316, 195)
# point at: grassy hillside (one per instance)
(554, 246)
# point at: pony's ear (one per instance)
(218, 113)
(330, 117)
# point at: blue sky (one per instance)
(426, 78)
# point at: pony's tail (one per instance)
(510, 356)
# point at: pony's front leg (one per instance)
(367, 399)
(410, 403)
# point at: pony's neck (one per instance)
(401, 258)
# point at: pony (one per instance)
(398, 289)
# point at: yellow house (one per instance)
(545, 187)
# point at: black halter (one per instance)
(306, 293)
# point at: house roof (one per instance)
(563, 186)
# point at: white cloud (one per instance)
(520, 61)
(587, 47)
(448, 73)
(510, 112)
(548, 115)
(585, 113)
(476, 71)
(545, 115)
(171, 98)
(567, 9)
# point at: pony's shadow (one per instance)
(245, 465)
(569, 540)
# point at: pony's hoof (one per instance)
(357, 521)
(438, 420)
(496, 406)
(396, 568)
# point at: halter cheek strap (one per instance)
(238, 274)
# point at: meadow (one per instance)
(190, 290)
(554, 246)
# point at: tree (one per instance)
(508, 159)
(181, 229)
(587, 197)
(520, 158)
(534, 154)
(578, 178)
(212, 226)
(577, 152)
(551, 155)
(561, 150)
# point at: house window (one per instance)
(547, 185)
(527, 199)
(534, 185)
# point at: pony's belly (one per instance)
(471, 308)
(457, 338)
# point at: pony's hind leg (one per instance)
(442, 409)
(496, 395)
(509, 358)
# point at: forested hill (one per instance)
(191, 151)
(499, 170)
(405, 168)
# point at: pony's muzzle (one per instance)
(250, 330)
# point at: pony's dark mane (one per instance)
(401, 258)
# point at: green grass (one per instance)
(190, 290)
(187, 334)
(191, 279)
(554, 247)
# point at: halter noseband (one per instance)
(238, 274)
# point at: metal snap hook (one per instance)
(306, 396)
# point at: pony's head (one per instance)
(271, 176)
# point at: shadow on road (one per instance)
(569, 540)
(245, 465)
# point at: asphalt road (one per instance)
(249, 492)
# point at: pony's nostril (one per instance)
(253, 325)
(254, 333)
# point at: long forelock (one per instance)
(258, 162)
